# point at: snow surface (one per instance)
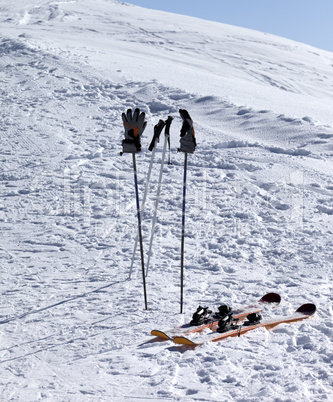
(259, 205)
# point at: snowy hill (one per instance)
(259, 206)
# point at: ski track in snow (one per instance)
(259, 218)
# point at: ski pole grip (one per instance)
(168, 124)
(157, 132)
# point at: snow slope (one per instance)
(259, 206)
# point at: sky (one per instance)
(306, 21)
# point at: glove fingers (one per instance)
(136, 115)
(184, 129)
(143, 127)
(184, 114)
(129, 115)
(141, 118)
(123, 115)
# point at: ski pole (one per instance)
(140, 231)
(187, 145)
(166, 140)
(142, 210)
(183, 238)
(157, 131)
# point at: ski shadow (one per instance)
(69, 300)
(153, 340)
(180, 348)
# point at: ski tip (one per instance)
(271, 298)
(307, 309)
(180, 340)
(160, 334)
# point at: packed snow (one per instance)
(259, 207)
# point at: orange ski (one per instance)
(303, 312)
(271, 299)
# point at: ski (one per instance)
(271, 299)
(303, 312)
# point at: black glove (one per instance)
(187, 133)
(134, 126)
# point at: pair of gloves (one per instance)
(135, 124)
